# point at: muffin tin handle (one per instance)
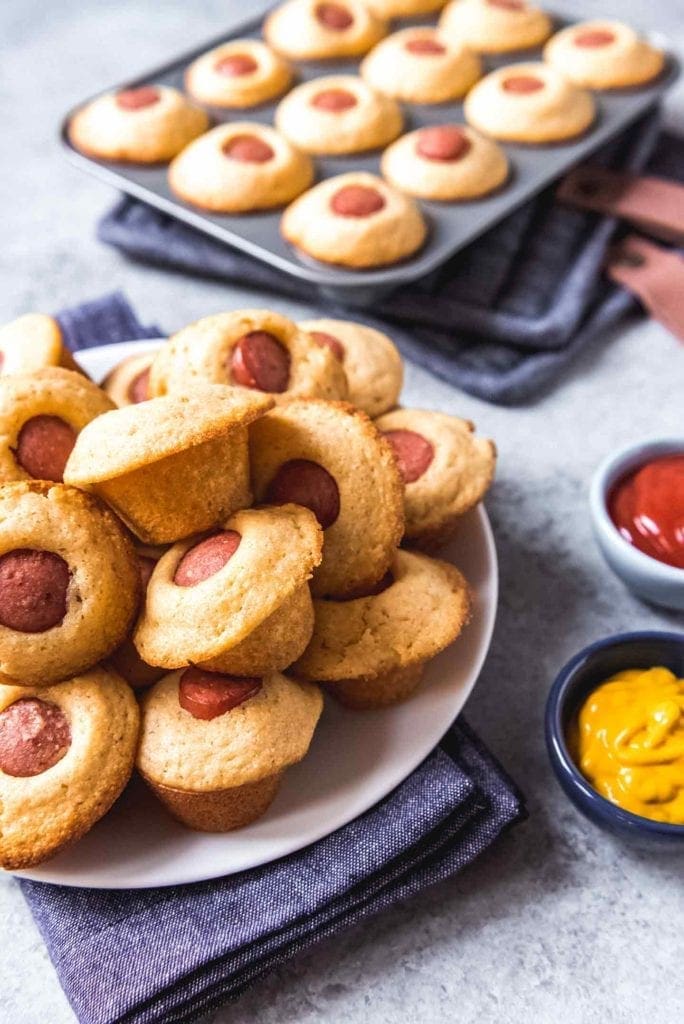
(655, 275)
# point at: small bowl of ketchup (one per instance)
(637, 506)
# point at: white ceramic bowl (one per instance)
(650, 579)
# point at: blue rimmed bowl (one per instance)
(576, 680)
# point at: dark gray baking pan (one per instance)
(451, 225)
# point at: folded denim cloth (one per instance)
(502, 319)
(170, 955)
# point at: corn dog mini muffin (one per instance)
(172, 466)
(321, 29)
(69, 584)
(242, 73)
(128, 382)
(604, 55)
(330, 458)
(146, 125)
(354, 220)
(33, 342)
(495, 26)
(447, 162)
(41, 415)
(252, 348)
(530, 103)
(338, 114)
(446, 470)
(239, 167)
(237, 601)
(419, 65)
(213, 748)
(403, 8)
(371, 361)
(66, 753)
(371, 651)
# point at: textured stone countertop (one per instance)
(557, 922)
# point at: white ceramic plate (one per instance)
(354, 761)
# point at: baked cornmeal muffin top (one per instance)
(424, 609)
(137, 435)
(30, 342)
(259, 738)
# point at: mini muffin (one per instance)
(321, 29)
(252, 348)
(242, 73)
(125, 659)
(447, 162)
(530, 103)
(172, 466)
(33, 342)
(604, 55)
(403, 8)
(375, 372)
(69, 584)
(41, 414)
(495, 26)
(418, 65)
(355, 220)
(128, 383)
(240, 167)
(237, 601)
(370, 651)
(330, 458)
(66, 753)
(446, 470)
(338, 114)
(144, 125)
(213, 748)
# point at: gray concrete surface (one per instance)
(557, 923)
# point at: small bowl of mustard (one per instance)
(615, 735)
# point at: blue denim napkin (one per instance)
(171, 955)
(501, 320)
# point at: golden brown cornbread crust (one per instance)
(32, 342)
(271, 76)
(202, 351)
(52, 391)
(104, 589)
(403, 8)
(420, 614)
(293, 30)
(490, 29)
(202, 624)
(41, 814)
(254, 741)
(358, 546)
(459, 476)
(221, 810)
(118, 381)
(374, 368)
(420, 78)
(626, 61)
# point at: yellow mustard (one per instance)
(629, 742)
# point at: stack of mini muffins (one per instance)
(218, 529)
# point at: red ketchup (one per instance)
(647, 507)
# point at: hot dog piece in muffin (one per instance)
(420, 65)
(129, 382)
(237, 600)
(354, 220)
(321, 29)
(66, 753)
(338, 114)
(330, 458)
(447, 162)
(214, 747)
(446, 470)
(252, 348)
(239, 167)
(41, 415)
(33, 342)
(146, 124)
(171, 466)
(604, 55)
(371, 361)
(531, 103)
(242, 73)
(371, 651)
(495, 26)
(69, 584)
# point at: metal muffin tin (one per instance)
(451, 225)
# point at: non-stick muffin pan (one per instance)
(451, 225)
